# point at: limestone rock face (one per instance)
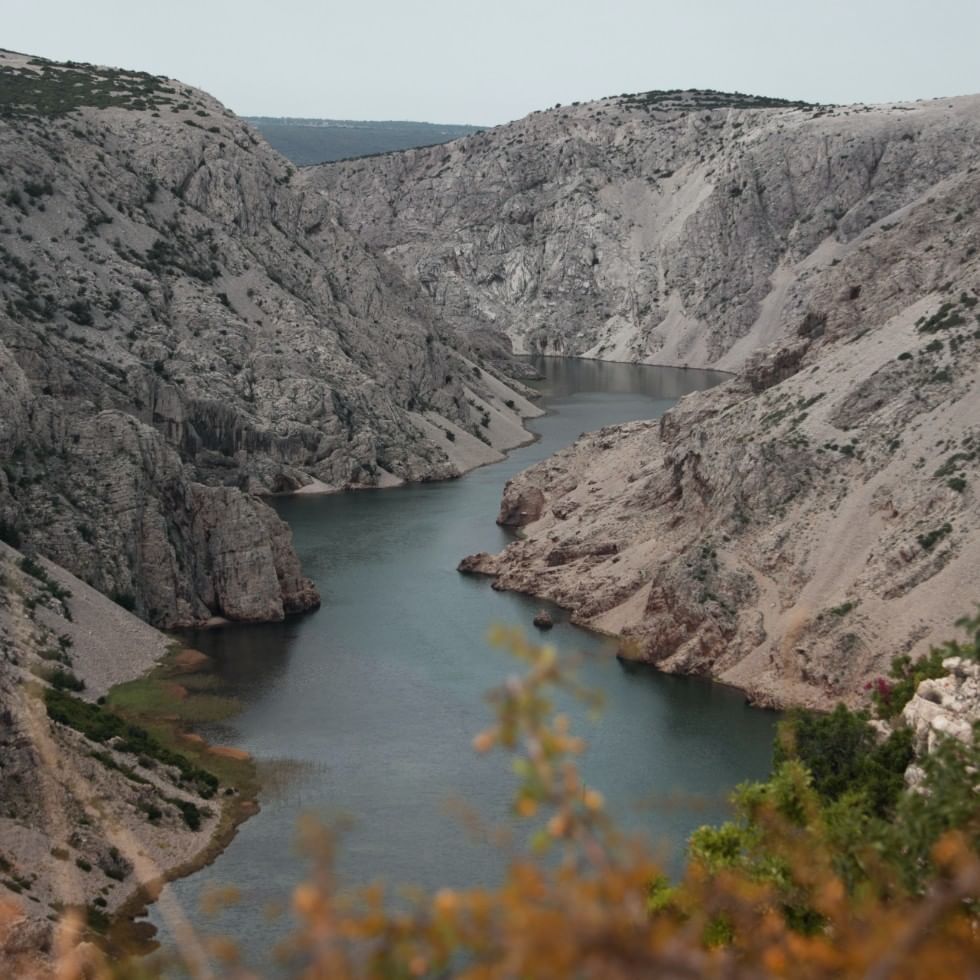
(945, 707)
(518, 508)
(670, 230)
(142, 532)
(251, 565)
(795, 528)
(182, 326)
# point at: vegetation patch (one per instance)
(694, 99)
(36, 571)
(157, 698)
(100, 724)
(930, 539)
(50, 89)
(948, 315)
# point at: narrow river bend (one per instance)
(367, 708)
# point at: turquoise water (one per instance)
(367, 708)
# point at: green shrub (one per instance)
(99, 724)
(9, 534)
(59, 678)
(191, 812)
(929, 540)
(125, 599)
(843, 755)
(96, 919)
(890, 696)
(153, 812)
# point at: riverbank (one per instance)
(784, 563)
(107, 791)
(174, 699)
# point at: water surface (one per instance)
(367, 708)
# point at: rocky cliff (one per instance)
(795, 528)
(941, 708)
(184, 325)
(672, 228)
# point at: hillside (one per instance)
(93, 810)
(792, 530)
(310, 141)
(184, 327)
(669, 228)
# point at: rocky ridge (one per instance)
(184, 326)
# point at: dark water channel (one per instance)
(368, 707)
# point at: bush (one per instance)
(931, 538)
(842, 755)
(890, 696)
(59, 678)
(81, 313)
(153, 812)
(125, 599)
(191, 813)
(99, 724)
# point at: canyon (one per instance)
(794, 529)
(190, 326)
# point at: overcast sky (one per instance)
(489, 62)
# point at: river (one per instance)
(367, 708)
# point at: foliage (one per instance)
(949, 801)
(59, 678)
(800, 883)
(694, 99)
(99, 724)
(37, 571)
(841, 752)
(9, 534)
(890, 697)
(51, 89)
(931, 538)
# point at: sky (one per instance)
(460, 61)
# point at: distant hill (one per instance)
(306, 141)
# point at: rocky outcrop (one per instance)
(543, 620)
(184, 325)
(670, 228)
(945, 707)
(104, 494)
(518, 508)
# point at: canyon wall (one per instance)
(184, 326)
(794, 529)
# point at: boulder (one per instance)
(543, 620)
